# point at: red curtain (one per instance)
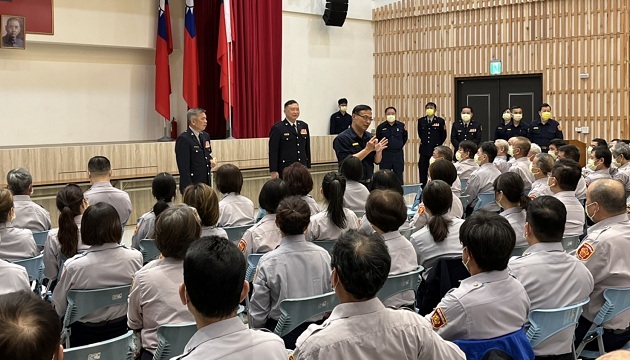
(258, 62)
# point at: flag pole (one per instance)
(165, 138)
(229, 120)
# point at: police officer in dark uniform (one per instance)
(517, 127)
(499, 132)
(396, 134)
(432, 133)
(466, 128)
(289, 141)
(340, 120)
(193, 152)
(546, 129)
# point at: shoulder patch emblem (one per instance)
(438, 319)
(585, 251)
(135, 230)
(242, 245)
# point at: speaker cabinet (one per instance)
(336, 12)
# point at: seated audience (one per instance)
(14, 277)
(465, 164)
(30, 328)
(361, 327)
(552, 278)
(508, 194)
(105, 264)
(533, 151)
(481, 180)
(554, 145)
(100, 173)
(235, 209)
(203, 198)
(606, 254)
(564, 178)
(154, 298)
(265, 235)
(28, 214)
(572, 152)
(65, 241)
(621, 159)
(295, 269)
(382, 180)
(501, 160)
(356, 193)
(335, 219)
(386, 211)
(445, 153)
(163, 188)
(520, 148)
(15, 244)
(599, 162)
(215, 263)
(541, 167)
(490, 303)
(300, 183)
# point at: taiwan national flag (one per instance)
(191, 62)
(163, 48)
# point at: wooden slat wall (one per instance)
(421, 46)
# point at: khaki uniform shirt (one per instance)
(105, 192)
(264, 236)
(321, 226)
(482, 180)
(404, 260)
(540, 188)
(355, 196)
(521, 167)
(213, 231)
(516, 217)
(575, 213)
(30, 215)
(456, 187)
(145, 228)
(235, 210)
(501, 163)
(53, 258)
(596, 175)
(14, 278)
(421, 218)
(16, 244)
(312, 204)
(465, 168)
(428, 251)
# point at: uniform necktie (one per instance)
(295, 128)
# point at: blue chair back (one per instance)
(514, 344)
(118, 348)
(172, 339)
(545, 323)
(326, 244)
(465, 199)
(570, 243)
(252, 263)
(84, 302)
(235, 233)
(34, 267)
(149, 250)
(483, 199)
(295, 312)
(40, 237)
(413, 189)
(396, 284)
(464, 184)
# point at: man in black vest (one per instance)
(289, 141)
(193, 151)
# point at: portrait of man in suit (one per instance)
(13, 32)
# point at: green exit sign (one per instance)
(495, 67)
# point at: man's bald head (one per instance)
(609, 194)
(616, 355)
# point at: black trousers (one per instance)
(144, 355)
(290, 338)
(397, 168)
(423, 168)
(613, 339)
(88, 333)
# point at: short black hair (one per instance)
(352, 168)
(571, 152)
(490, 239)
(390, 107)
(488, 148)
(516, 107)
(357, 109)
(229, 179)
(567, 173)
(386, 209)
(362, 263)
(543, 105)
(386, 179)
(163, 188)
(469, 146)
(600, 142)
(547, 216)
(445, 152)
(175, 229)
(100, 225)
(430, 103)
(342, 101)
(467, 107)
(99, 165)
(443, 170)
(557, 143)
(602, 152)
(213, 262)
(289, 103)
(293, 215)
(272, 192)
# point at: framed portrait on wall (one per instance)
(13, 32)
(38, 12)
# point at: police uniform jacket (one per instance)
(145, 228)
(321, 226)
(355, 196)
(432, 133)
(553, 279)
(606, 254)
(339, 122)
(512, 130)
(461, 132)
(542, 134)
(14, 278)
(154, 300)
(349, 143)
(286, 145)
(484, 306)
(99, 267)
(106, 193)
(367, 330)
(193, 157)
(397, 136)
(282, 273)
(516, 217)
(16, 244)
(499, 131)
(404, 260)
(235, 210)
(30, 215)
(264, 236)
(575, 213)
(53, 257)
(230, 339)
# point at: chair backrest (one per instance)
(252, 263)
(359, 214)
(617, 301)
(34, 267)
(326, 244)
(406, 232)
(40, 237)
(235, 233)
(84, 302)
(570, 243)
(465, 199)
(149, 250)
(118, 348)
(515, 344)
(294, 312)
(464, 184)
(519, 250)
(172, 339)
(413, 189)
(396, 284)
(483, 199)
(545, 323)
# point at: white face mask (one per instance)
(466, 117)
(517, 117)
(458, 156)
(498, 202)
(465, 262)
(391, 118)
(586, 211)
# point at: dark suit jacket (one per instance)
(193, 158)
(286, 146)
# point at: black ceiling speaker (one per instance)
(335, 13)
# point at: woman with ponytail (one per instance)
(440, 237)
(65, 241)
(335, 219)
(163, 189)
(509, 195)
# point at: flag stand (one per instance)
(165, 138)
(229, 121)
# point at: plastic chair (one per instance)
(570, 243)
(40, 237)
(515, 345)
(464, 184)
(118, 348)
(252, 264)
(35, 269)
(396, 284)
(326, 244)
(84, 302)
(545, 323)
(295, 312)
(519, 250)
(149, 250)
(616, 302)
(172, 339)
(235, 233)
(483, 199)
(406, 232)
(359, 214)
(465, 199)
(413, 189)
